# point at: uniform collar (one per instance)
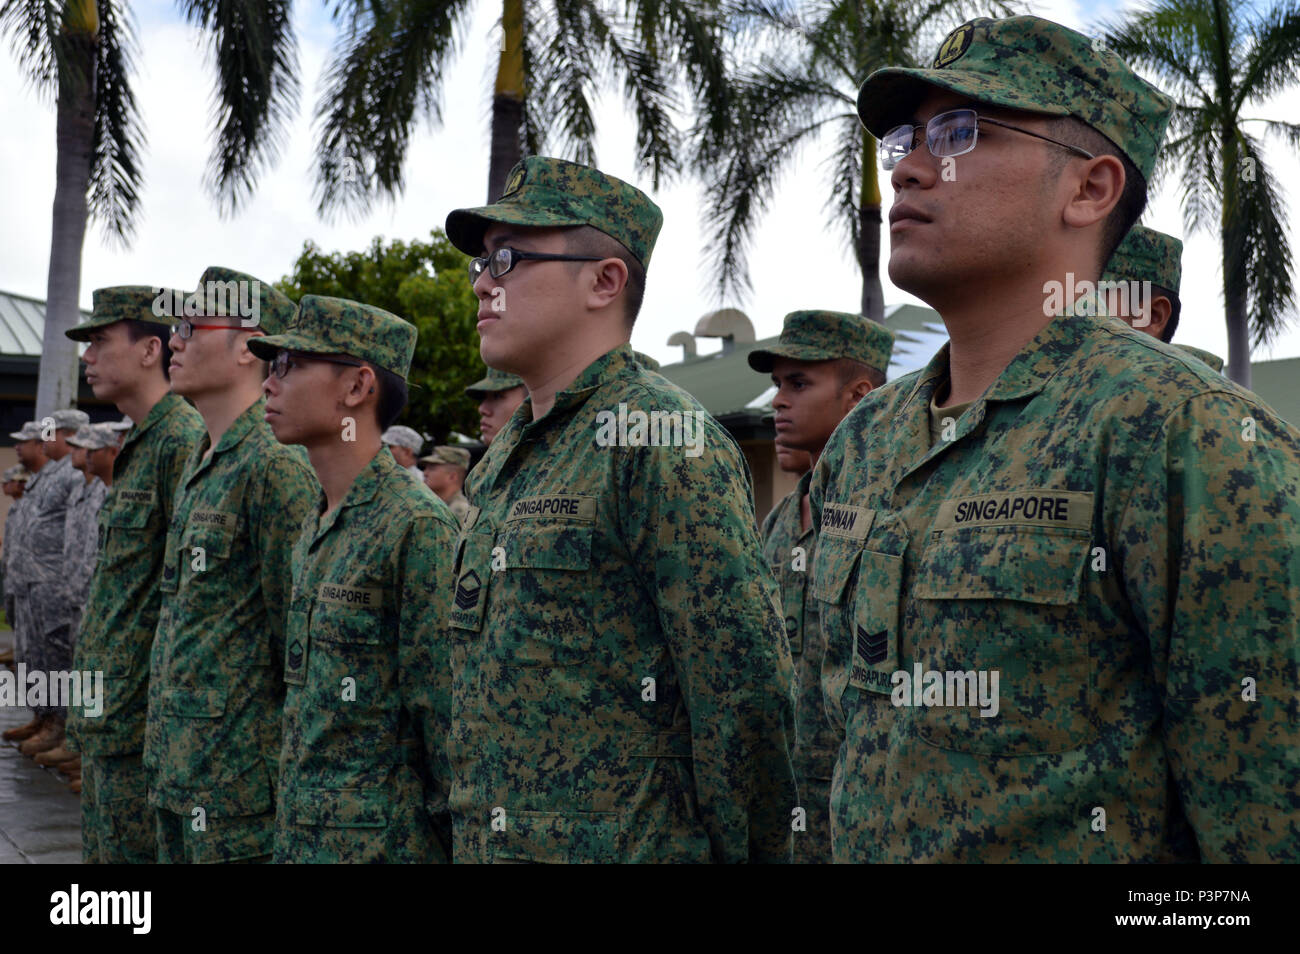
(362, 491)
(169, 402)
(600, 372)
(1028, 373)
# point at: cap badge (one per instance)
(955, 46)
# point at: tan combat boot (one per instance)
(55, 755)
(75, 785)
(22, 732)
(44, 740)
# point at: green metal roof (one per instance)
(1275, 382)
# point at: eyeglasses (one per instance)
(285, 360)
(185, 328)
(501, 261)
(953, 133)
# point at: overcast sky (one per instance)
(795, 259)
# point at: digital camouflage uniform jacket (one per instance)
(363, 773)
(122, 608)
(621, 681)
(38, 558)
(816, 740)
(216, 693)
(1115, 532)
(121, 612)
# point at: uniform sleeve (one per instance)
(424, 659)
(1209, 546)
(693, 538)
(289, 491)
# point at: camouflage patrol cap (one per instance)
(553, 193)
(224, 292)
(127, 303)
(30, 431)
(403, 436)
(338, 326)
(493, 383)
(1032, 64)
(94, 437)
(15, 472)
(825, 336)
(445, 454)
(70, 419)
(1146, 255)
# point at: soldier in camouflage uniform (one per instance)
(15, 482)
(127, 362)
(1146, 255)
(404, 444)
(80, 544)
(621, 680)
(444, 474)
(499, 394)
(44, 604)
(1057, 502)
(31, 457)
(363, 767)
(216, 690)
(823, 364)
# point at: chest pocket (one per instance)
(122, 528)
(544, 577)
(1015, 612)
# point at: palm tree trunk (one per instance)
(1234, 297)
(74, 135)
(868, 250)
(508, 99)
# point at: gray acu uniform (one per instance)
(81, 544)
(42, 601)
(13, 527)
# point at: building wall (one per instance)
(771, 483)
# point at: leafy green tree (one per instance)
(426, 284)
(1219, 60)
(388, 68)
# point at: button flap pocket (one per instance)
(834, 564)
(1030, 564)
(546, 546)
(130, 514)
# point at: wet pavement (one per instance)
(40, 820)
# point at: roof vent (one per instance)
(686, 340)
(730, 324)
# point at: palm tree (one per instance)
(802, 88)
(80, 53)
(1219, 60)
(390, 62)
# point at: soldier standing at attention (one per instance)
(127, 365)
(444, 474)
(1146, 255)
(824, 363)
(216, 690)
(1058, 565)
(48, 602)
(31, 457)
(80, 544)
(499, 394)
(363, 767)
(15, 482)
(621, 681)
(404, 444)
